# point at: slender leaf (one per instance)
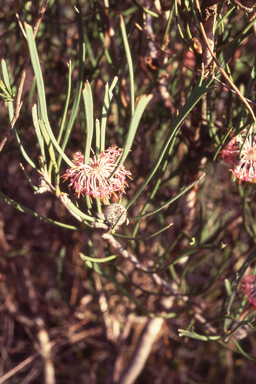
(97, 260)
(104, 114)
(185, 190)
(141, 105)
(88, 105)
(129, 61)
(40, 138)
(97, 136)
(41, 91)
(28, 211)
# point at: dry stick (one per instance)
(222, 70)
(32, 375)
(19, 367)
(18, 18)
(23, 76)
(45, 349)
(231, 90)
(118, 366)
(104, 310)
(209, 21)
(142, 351)
(244, 7)
(124, 253)
(197, 42)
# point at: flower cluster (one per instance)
(245, 167)
(93, 179)
(249, 288)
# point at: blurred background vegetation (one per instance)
(64, 320)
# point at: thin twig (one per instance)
(105, 310)
(222, 70)
(231, 90)
(244, 7)
(45, 349)
(209, 15)
(19, 367)
(142, 351)
(127, 255)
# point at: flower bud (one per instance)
(112, 213)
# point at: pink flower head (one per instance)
(249, 288)
(92, 179)
(245, 167)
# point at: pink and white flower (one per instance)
(245, 167)
(93, 180)
(249, 288)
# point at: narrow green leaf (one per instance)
(145, 237)
(51, 152)
(101, 33)
(112, 86)
(129, 61)
(97, 136)
(6, 77)
(38, 132)
(80, 213)
(144, 9)
(88, 105)
(97, 260)
(63, 122)
(240, 349)
(176, 12)
(41, 91)
(220, 21)
(104, 117)
(185, 190)
(167, 28)
(28, 178)
(194, 335)
(90, 51)
(141, 105)
(160, 174)
(28, 211)
(104, 114)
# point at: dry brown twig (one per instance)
(23, 77)
(127, 255)
(142, 351)
(161, 82)
(221, 69)
(209, 20)
(45, 349)
(103, 303)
